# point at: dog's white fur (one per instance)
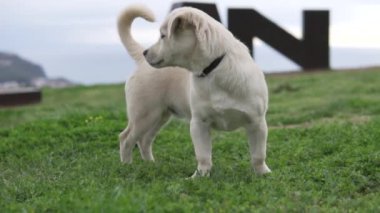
(233, 95)
(152, 95)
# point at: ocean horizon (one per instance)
(112, 64)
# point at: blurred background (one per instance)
(78, 40)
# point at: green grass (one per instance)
(323, 147)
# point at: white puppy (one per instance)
(224, 87)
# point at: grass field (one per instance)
(323, 148)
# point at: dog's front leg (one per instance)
(200, 135)
(257, 133)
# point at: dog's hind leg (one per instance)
(139, 125)
(145, 144)
(128, 139)
(123, 136)
(257, 133)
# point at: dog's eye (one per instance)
(163, 36)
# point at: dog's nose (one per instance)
(145, 52)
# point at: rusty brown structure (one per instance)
(19, 97)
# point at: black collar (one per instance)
(211, 67)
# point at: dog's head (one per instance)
(187, 40)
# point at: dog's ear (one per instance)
(178, 23)
(175, 25)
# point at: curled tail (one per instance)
(126, 18)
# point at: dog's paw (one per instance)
(262, 169)
(199, 174)
(125, 160)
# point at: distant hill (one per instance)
(15, 68)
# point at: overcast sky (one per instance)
(77, 39)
